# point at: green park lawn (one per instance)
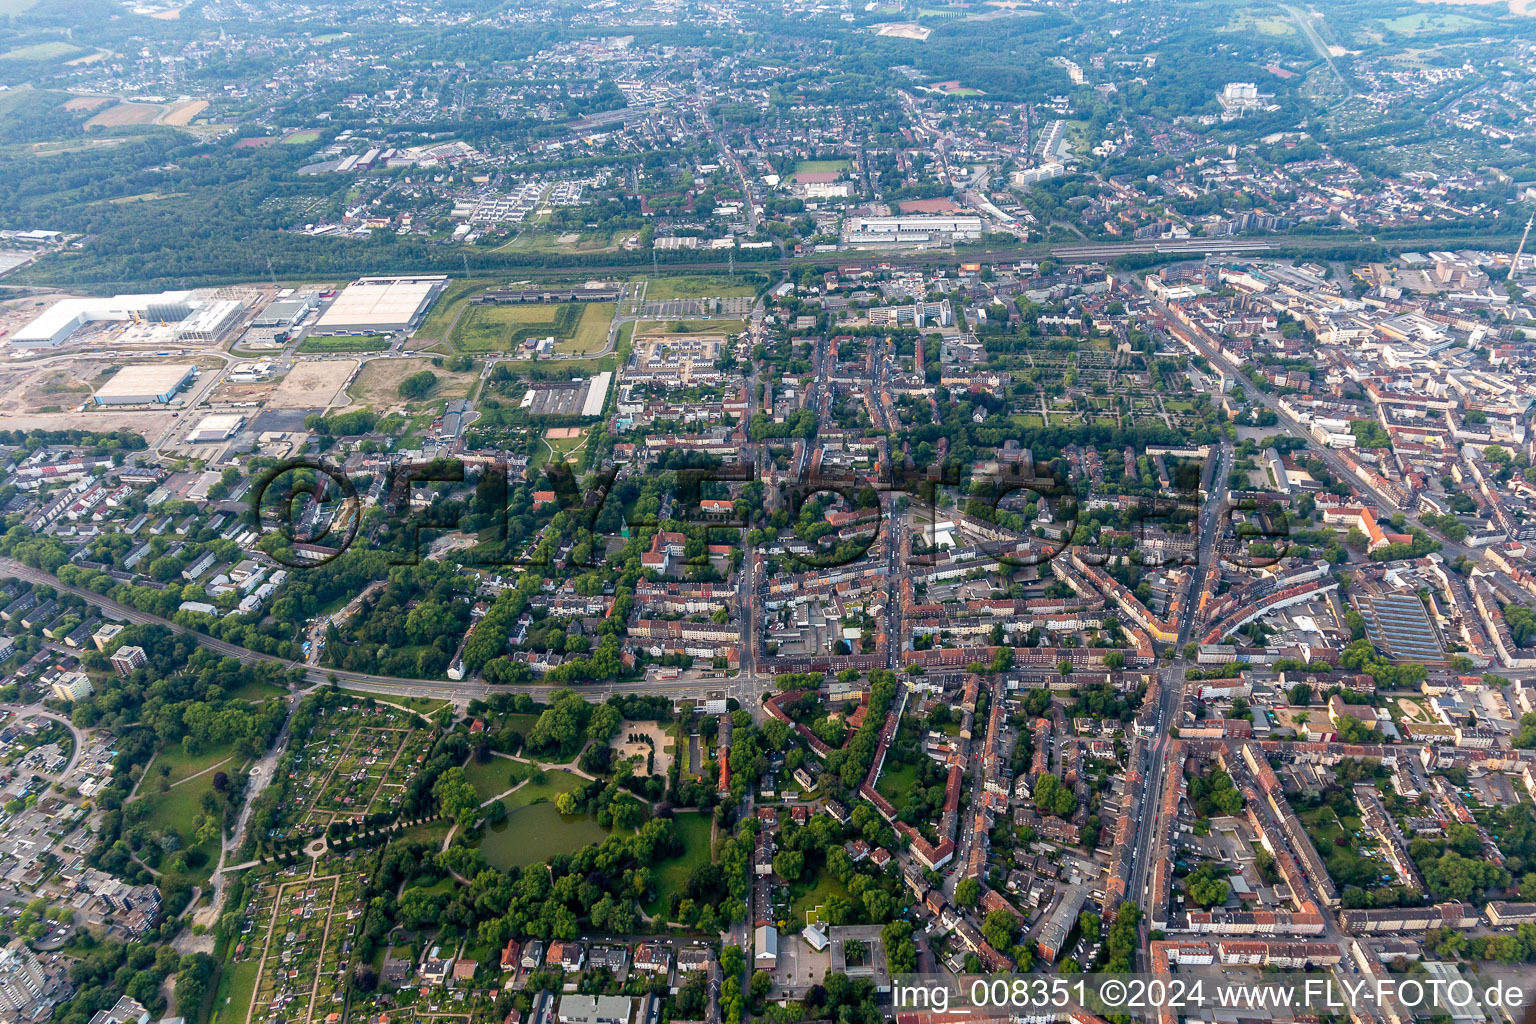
(496, 775)
(809, 892)
(237, 984)
(184, 765)
(896, 779)
(694, 831)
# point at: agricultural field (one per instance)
(40, 51)
(182, 114)
(578, 328)
(356, 762)
(121, 114)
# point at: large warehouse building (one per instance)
(145, 384)
(379, 305)
(208, 323)
(216, 427)
(62, 319)
(912, 229)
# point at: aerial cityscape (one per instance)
(570, 512)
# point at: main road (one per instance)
(746, 689)
(1170, 697)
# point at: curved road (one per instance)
(437, 689)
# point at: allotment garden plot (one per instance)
(292, 964)
(357, 763)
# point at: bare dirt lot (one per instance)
(312, 385)
(233, 394)
(42, 389)
(50, 387)
(378, 384)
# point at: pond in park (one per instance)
(537, 832)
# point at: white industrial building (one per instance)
(597, 394)
(63, 318)
(379, 305)
(217, 427)
(912, 229)
(284, 313)
(208, 323)
(145, 384)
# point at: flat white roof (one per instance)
(71, 313)
(145, 379)
(597, 394)
(379, 302)
(221, 421)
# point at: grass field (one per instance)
(550, 786)
(41, 51)
(694, 831)
(806, 894)
(255, 691)
(896, 780)
(378, 385)
(496, 775)
(370, 343)
(177, 810)
(237, 984)
(301, 138)
(1417, 24)
(723, 326)
(184, 765)
(820, 166)
(434, 832)
(557, 450)
(696, 287)
(578, 328)
(447, 307)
